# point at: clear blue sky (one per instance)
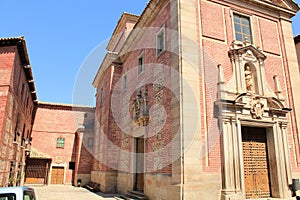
(60, 37)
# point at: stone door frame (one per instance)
(233, 184)
(135, 174)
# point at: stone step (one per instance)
(136, 195)
(126, 197)
(133, 195)
(118, 198)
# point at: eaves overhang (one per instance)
(109, 58)
(297, 39)
(20, 43)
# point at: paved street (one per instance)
(59, 192)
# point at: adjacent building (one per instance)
(17, 109)
(61, 151)
(63, 138)
(200, 99)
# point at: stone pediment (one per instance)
(286, 4)
(289, 4)
(248, 65)
(249, 51)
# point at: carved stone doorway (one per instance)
(139, 175)
(256, 163)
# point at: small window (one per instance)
(101, 96)
(12, 173)
(141, 64)
(23, 136)
(16, 135)
(60, 142)
(125, 81)
(160, 41)
(72, 165)
(242, 28)
(16, 129)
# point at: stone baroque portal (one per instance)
(252, 118)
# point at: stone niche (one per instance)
(247, 101)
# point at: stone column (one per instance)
(231, 185)
(286, 153)
(284, 161)
(283, 188)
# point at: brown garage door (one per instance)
(57, 175)
(256, 169)
(36, 171)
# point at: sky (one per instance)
(66, 41)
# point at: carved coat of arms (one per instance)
(256, 108)
(140, 107)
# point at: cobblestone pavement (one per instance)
(63, 192)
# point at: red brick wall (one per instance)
(14, 105)
(146, 46)
(212, 24)
(269, 35)
(53, 122)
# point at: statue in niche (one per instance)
(249, 79)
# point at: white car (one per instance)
(17, 193)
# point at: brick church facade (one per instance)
(199, 99)
(195, 99)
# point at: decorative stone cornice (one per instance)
(109, 58)
(20, 43)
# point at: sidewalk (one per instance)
(66, 192)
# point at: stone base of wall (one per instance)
(125, 182)
(208, 188)
(107, 180)
(296, 175)
(85, 179)
(159, 186)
